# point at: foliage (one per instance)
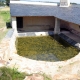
(2, 4)
(73, 3)
(44, 48)
(7, 2)
(11, 74)
(4, 17)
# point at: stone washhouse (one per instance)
(41, 17)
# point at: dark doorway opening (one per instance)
(19, 22)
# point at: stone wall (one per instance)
(38, 23)
(64, 24)
(74, 26)
(68, 25)
(9, 43)
(12, 43)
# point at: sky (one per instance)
(76, 1)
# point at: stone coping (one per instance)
(45, 33)
(9, 33)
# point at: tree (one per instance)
(2, 2)
(7, 2)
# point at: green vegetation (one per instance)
(2, 4)
(7, 2)
(4, 17)
(44, 48)
(46, 77)
(11, 74)
(73, 3)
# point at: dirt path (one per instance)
(5, 9)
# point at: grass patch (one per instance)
(4, 17)
(11, 74)
(44, 48)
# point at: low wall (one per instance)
(9, 39)
(12, 43)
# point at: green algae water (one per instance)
(45, 48)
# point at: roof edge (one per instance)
(33, 3)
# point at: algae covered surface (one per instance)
(44, 48)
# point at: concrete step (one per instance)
(69, 40)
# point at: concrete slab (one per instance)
(72, 39)
(23, 34)
(72, 36)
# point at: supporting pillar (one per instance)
(57, 26)
(14, 24)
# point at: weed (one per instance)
(11, 74)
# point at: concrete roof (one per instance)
(70, 14)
